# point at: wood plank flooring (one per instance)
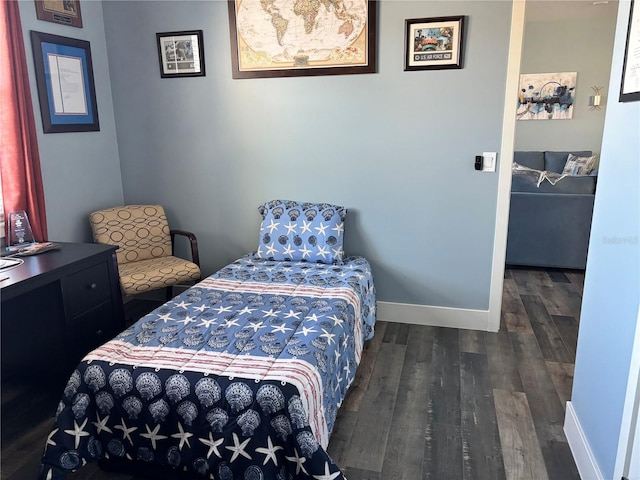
(427, 402)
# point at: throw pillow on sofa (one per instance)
(579, 165)
(555, 161)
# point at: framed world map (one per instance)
(288, 38)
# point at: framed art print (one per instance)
(181, 54)
(66, 12)
(293, 39)
(434, 43)
(546, 96)
(630, 88)
(66, 90)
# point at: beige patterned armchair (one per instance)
(146, 258)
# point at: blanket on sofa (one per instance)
(536, 177)
(529, 180)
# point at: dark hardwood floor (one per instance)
(427, 402)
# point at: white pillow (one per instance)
(579, 165)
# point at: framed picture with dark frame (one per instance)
(66, 12)
(630, 87)
(434, 43)
(66, 90)
(181, 54)
(339, 38)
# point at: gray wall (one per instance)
(609, 318)
(395, 147)
(80, 171)
(569, 36)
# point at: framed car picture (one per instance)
(434, 43)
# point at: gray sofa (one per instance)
(549, 225)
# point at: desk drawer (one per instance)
(87, 288)
(91, 330)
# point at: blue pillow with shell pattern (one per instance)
(297, 231)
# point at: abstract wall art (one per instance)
(546, 96)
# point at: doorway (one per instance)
(544, 39)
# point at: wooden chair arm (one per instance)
(195, 257)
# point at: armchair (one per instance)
(146, 253)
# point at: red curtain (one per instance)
(19, 159)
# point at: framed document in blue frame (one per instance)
(66, 90)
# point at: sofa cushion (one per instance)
(585, 184)
(533, 160)
(555, 161)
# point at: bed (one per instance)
(240, 376)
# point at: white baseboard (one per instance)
(586, 463)
(433, 316)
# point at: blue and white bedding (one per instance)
(239, 377)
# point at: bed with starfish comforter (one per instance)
(239, 377)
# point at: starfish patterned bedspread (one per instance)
(239, 377)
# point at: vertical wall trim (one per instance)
(506, 156)
(582, 454)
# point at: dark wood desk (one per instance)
(59, 305)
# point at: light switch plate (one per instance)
(489, 161)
